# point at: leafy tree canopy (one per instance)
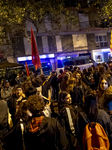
(15, 13)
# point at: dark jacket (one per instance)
(54, 82)
(77, 95)
(45, 88)
(65, 123)
(49, 135)
(96, 76)
(102, 118)
(12, 104)
(63, 114)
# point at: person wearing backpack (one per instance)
(101, 121)
(36, 131)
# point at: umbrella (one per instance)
(9, 65)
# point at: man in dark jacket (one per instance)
(54, 84)
(15, 100)
(40, 132)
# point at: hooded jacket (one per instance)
(39, 134)
(105, 98)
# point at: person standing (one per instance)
(14, 102)
(67, 117)
(91, 113)
(38, 131)
(6, 91)
(54, 84)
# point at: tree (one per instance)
(106, 12)
(15, 13)
(99, 12)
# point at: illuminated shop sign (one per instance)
(30, 57)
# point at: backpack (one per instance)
(94, 137)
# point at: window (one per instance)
(60, 64)
(101, 41)
(79, 62)
(68, 63)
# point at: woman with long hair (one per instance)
(79, 91)
(71, 85)
(92, 113)
(68, 117)
(105, 94)
(65, 81)
(64, 100)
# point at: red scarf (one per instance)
(35, 124)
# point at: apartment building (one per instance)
(85, 38)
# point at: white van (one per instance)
(83, 62)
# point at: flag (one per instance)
(35, 54)
(111, 42)
(27, 69)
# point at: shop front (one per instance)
(55, 61)
(47, 62)
(101, 55)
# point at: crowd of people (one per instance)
(28, 119)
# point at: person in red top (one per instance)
(60, 76)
